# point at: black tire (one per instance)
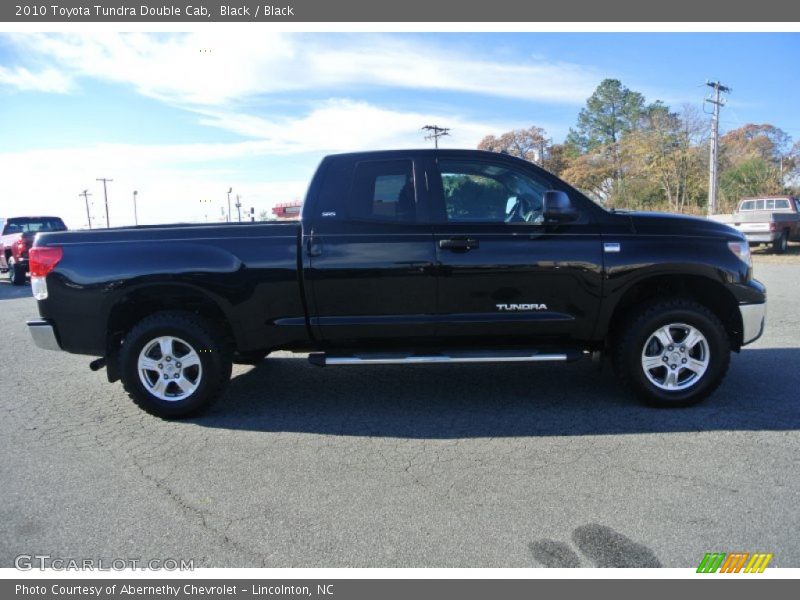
(198, 335)
(781, 245)
(252, 357)
(16, 274)
(630, 346)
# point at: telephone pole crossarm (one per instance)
(436, 133)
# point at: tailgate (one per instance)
(753, 227)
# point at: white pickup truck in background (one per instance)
(771, 220)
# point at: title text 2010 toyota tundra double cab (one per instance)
(407, 257)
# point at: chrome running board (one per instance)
(323, 359)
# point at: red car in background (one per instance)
(16, 237)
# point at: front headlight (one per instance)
(742, 252)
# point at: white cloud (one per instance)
(47, 80)
(346, 125)
(173, 178)
(221, 86)
(214, 69)
(171, 181)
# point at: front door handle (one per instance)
(459, 244)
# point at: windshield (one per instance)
(33, 225)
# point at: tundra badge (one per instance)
(521, 306)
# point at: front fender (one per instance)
(702, 262)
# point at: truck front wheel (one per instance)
(173, 364)
(672, 353)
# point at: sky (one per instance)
(181, 118)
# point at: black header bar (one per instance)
(441, 11)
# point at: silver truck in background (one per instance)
(771, 220)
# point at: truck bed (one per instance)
(248, 269)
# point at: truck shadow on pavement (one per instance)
(760, 392)
(12, 292)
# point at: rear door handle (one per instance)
(459, 244)
(313, 247)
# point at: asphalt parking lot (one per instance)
(445, 466)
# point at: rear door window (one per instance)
(383, 190)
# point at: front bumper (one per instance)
(754, 317)
(761, 238)
(43, 334)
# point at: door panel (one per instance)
(371, 270)
(518, 283)
(505, 275)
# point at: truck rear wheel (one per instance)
(672, 353)
(781, 245)
(16, 274)
(173, 364)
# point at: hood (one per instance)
(671, 224)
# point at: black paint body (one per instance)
(332, 281)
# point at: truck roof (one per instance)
(768, 197)
(30, 217)
(423, 152)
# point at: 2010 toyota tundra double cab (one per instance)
(405, 257)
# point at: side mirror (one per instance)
(558, 207)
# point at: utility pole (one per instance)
(205, 208)
(230, 189)
(86, 194)
(105, 195)
(135, 213)
(238, 208)
(718, 101)
(436, 133)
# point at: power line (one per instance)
(718, 102)
(105, 195)
(86, 194)
(436, 133)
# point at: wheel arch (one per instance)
(145, 300)
(702, 289)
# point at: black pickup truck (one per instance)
(405, 257)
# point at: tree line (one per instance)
(626, 153)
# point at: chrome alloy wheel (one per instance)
(675, 357)
(169, 368)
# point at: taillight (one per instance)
(43, 260)
(773, 226)
(40, 262)
(18, 247)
